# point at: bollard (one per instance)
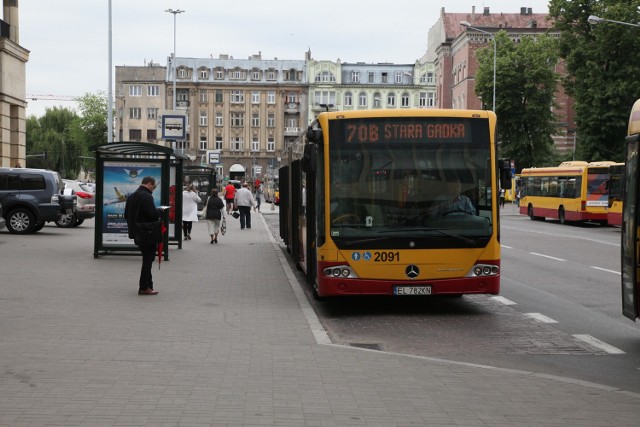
(273, 206)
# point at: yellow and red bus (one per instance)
(616, 180)
(573, 191)
(368, 204)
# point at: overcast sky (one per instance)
(68, 39)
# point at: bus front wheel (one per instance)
(533, 217)
(561, 216)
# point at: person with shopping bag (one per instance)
(213, 215)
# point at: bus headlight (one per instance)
(479, 270)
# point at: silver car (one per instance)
(86, 207)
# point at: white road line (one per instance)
(541, 318)
(506, 247)
(503, 300)
(547, 256)
(598, 344)
(604, 269)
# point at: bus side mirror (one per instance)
(314, 135)
(308, 163)
(504, 173)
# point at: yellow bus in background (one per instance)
(368, 204)
(573, 191)
(616, 181)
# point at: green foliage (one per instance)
(602, 63)
(66, 137)
(525, 87)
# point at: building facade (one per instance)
(13, 104)
(452, 50)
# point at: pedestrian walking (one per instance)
(190, 200)
(244, 201)
(139, 209)
(259, 196)
(213, 214)
(502, 197)
(229, 195)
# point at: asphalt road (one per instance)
(558, 313)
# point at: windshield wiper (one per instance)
(437, 230)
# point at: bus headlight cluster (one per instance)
(484, 270)
(338, 271)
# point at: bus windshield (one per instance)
(411, 187)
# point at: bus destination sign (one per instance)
(413, 130)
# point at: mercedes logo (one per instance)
(412, 271)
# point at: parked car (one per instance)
(32, 197)
(86, 207)
(2, 222)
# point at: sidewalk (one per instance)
(230, 340)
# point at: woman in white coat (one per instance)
(190, 200)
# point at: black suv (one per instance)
(32, 197)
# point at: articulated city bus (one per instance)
(395, 202)
(616, 181)
(573, 191)
(630, 247)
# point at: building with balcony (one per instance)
(13, 94)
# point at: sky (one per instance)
(68, 40)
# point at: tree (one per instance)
(525, 86)
(602, 63)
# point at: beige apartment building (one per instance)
(13, 104)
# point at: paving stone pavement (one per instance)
(230, 341)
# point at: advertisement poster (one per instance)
(120, 180)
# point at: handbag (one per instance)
(150, 233)
(223, 226)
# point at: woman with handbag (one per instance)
(190, 200)
(213, 215)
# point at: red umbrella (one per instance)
(161, 244)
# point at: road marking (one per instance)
(598, 344)
(506, 247)
(556, 235)
(541, 318)
(547, 256)
(503, 300)
(604, 269)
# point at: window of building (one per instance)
(182, 73)
(153, 90)
(423, 99)
(325, 97)
(255, 75)
(271, 74)
(182, 95)
(135, 113)
(255, 120)
(135, 134)
(377, 100)
(204, 74)
(271, 97)
(135, 90)
(398, 77)
(430, 78)
(255, 97)
(219, 95)
(255, 144)
(204, 120)
(385, 77)
(238, 75)
(237, 144)
(362, 99)
(271, 144)
(355, 76)
(371, 76)
(237, 97)
(203, 95)
(152, 134)
(219, 119)
(405, 99)
(292, 97)
(219, 74)
(152, 113)
(348, 99)
(237, 119)
(182, 145)
(203, 144)
(431, 99)
(271, 120)
(391, 99)
(325, 76)
(218, 143)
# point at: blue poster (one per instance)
(120, 180)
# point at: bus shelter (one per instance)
(120, 167)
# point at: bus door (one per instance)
(630, 249)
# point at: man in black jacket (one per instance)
(139, 208)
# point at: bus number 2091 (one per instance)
(386, 256)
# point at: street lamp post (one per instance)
(495, 51)
(595, 20)
(174, 12)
